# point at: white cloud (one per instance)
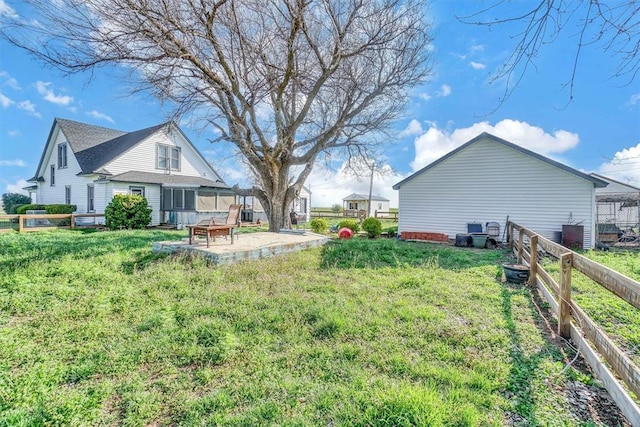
(6, 101)
(477, 48)
(445, 90)
(101, 116)
(634, 99)
(16, 162)
(49, 95)
(10, 81)
(624, 166)
(413, 128)
(329, 187)
(14, 133)
(477, 65)
(17, 187)
(435, 143)
(6, 10)
(29, 108)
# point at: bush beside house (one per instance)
(128, 211)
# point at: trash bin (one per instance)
(246, 215)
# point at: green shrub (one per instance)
(60, 209)
(373, 226)
(336, 208)
(127, 211)
(392, 231)
(351, 224)
(10, 201)
(319, 225)
(22, 209)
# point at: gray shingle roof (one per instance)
(358, 196)
(166, 179)
(92, 153)
(95, 146)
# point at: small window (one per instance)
(178, 202)
(67, 194)
(190, 200)
(168, 157)
(167, 199)
(62, 156)
(379, 206)
(138, 191)
(90, 206)
(53, 175)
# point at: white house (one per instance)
(488, 179)
(87, 165)
(357, 202)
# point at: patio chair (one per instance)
(212, 227)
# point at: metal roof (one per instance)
(596, 181)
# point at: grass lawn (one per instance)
(97, 330)
(615, 316)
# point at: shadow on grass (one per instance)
(381, 253)
(21, 250)
(522, 368)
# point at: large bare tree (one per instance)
(611, 25)
(284, 81)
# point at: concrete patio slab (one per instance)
(246, 246)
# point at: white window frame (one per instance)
(62, 155)
(52, 171)
(168, 154)
(91, 199)
(134, 189)
(67, 194)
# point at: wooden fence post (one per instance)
(564, 309)
(73, 222)
(510, 235)
(20, 224)
(520, 245)
(533, 260)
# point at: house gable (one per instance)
(487, 136)
(100, 162)
(487, 180)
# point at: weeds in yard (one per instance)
(96, 330)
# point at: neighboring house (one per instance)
(618, 206)
(360, 202)
(253, 210)
(87, 165)
(488, 179)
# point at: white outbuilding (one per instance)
(489, 179)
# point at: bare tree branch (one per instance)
(612, 25)
(284, 81)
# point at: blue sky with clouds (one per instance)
(598, 131)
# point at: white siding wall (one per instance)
(48, 194)
(142, 157)
(488, 181)
(151, 192)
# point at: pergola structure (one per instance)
(618, 213)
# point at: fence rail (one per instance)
(352, 213)
(45, 221)
(573, 322)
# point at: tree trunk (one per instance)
(277, 212)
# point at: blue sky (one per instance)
(599, 131)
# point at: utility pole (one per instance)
(373, 168)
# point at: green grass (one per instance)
(97, 330)
(615, 316)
